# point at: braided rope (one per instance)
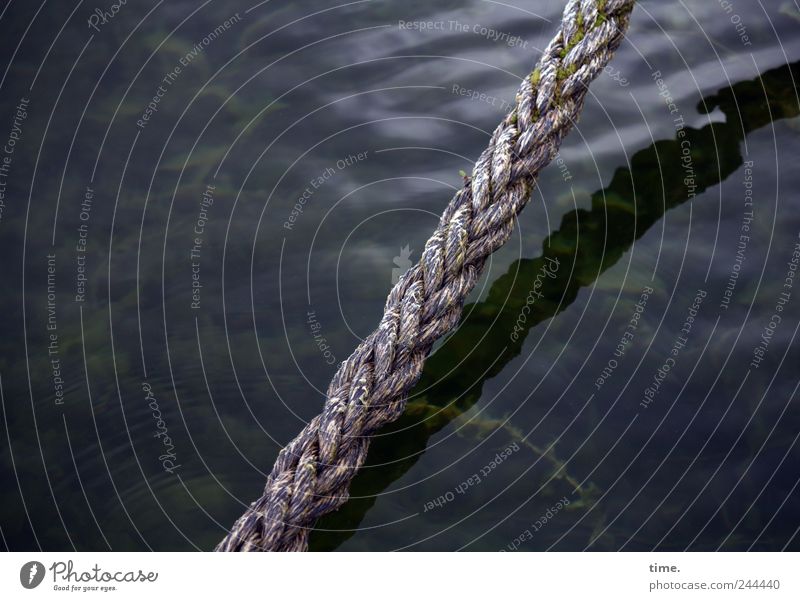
(312, 473)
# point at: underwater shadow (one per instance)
(618, 217)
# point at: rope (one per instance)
(312, 473)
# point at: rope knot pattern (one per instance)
(312, 473)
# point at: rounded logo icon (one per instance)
(31, 574)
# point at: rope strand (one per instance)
(312, 473)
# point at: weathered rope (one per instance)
(312, 473)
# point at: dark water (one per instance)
(626, 373)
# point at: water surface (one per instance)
(239, 183)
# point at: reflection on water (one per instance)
(206, 204)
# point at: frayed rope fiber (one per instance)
(312, 473)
